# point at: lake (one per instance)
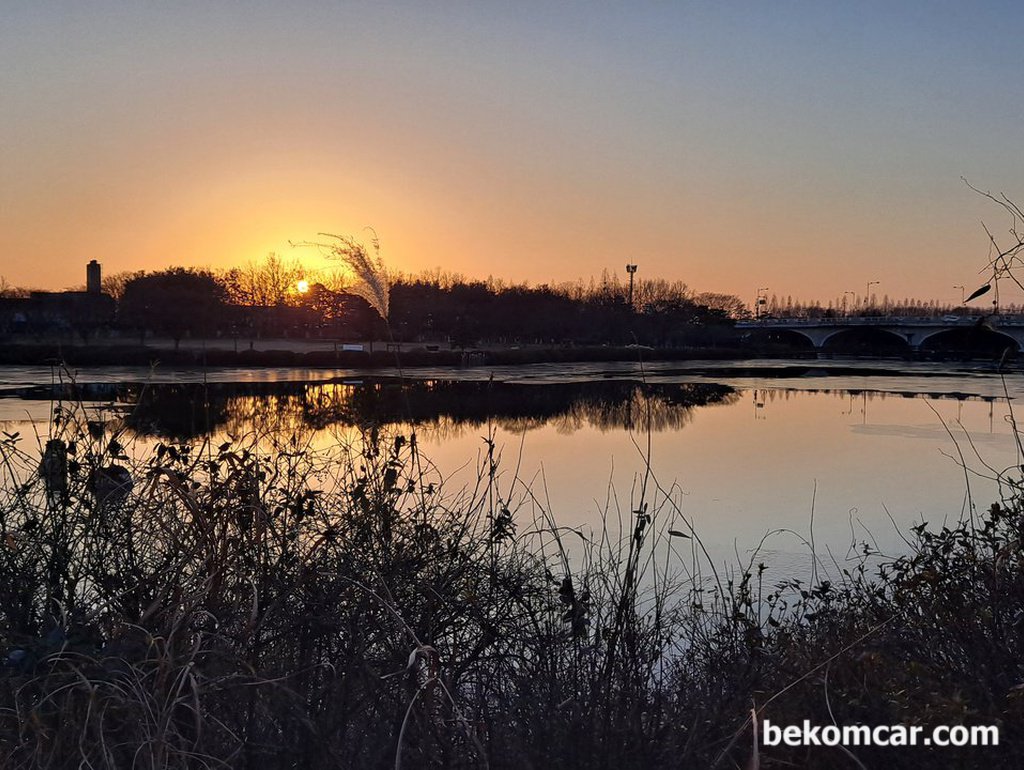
(765, 455)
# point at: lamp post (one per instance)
(867, 293)
(631, 269)
(961, 294)
(845, 293)
(760, 302)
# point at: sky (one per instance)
(807, 147)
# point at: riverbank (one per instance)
(369, 356)
(380, 355)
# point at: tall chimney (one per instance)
(92, 277)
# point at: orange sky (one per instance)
(810, 148)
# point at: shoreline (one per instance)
(377, 355)
(292, 353)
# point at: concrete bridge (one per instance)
(991, 333)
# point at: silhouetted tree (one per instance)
(115, 283)
(729, 304)
(7, 291)
(268, 283)
(1005, 255)
(173, 302)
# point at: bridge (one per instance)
(993, 333)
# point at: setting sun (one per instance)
(302, 286)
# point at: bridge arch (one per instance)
(976, 340)
(788, 339)
(865, 340)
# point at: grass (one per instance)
(255, 606)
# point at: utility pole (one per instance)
(867, 293)
(631, 269)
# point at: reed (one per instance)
(262, 605)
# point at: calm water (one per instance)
(740, 450)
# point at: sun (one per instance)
(302, 286)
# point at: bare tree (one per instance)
(1006, 257)
(7, 291)
(338, 280)
(657, 291)
(267, 283)
(729, 304)
(115, 283)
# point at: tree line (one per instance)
(856, 305)
(275, 297)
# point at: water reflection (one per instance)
(858, 450)
(442, 407)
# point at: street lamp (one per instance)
(631, 269)
(845, 293)
(961, 294)
(760, 302)
(867, 292)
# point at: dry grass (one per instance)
(285, 608)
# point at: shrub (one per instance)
(265, 604)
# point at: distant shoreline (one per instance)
(303, 354)
(315, 353)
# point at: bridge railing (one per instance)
(948, 320)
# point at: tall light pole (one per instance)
(631, 269)
(759, 302)
(845, 293)
(961, 294)
(867, 292)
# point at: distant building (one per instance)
(57, 312)
(93, 278)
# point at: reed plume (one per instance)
(372, 281)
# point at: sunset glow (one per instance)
(522, 384)
(809, 148)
